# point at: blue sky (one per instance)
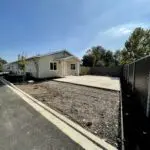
(40, 26)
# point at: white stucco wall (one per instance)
(63, 66)
(15, 67)
(44, 67)
(73, 72)
(31, 67)
(11, 67)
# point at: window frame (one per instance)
(53, 66)
(73, 66)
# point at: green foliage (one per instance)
(1, 67)
(98, 53)
(117, 57)
(2, 61)
(88, 60)
(98, 56)
(21, 62)
(93, 56)
(137, 46)
(108, 59)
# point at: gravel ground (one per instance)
(95, 109)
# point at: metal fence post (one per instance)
(124, 72)
(133, 81)
(148, 97)
(128, 74)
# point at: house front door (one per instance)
(63, 68)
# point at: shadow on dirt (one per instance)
(20, 79)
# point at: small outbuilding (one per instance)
(56, 64)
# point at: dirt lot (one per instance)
(95, 109)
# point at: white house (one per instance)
(56, 64)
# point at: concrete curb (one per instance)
(100, 142)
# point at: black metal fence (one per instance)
(137, 75)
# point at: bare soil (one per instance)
(96, 110)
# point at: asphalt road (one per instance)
(22, 128)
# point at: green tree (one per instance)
(98, 53)
(88, 60)
(117, 57)
(99, 56)
(94, 56)
(2, 62)
(137, 46)
(22, 63)
(1, 67)
(109, 59)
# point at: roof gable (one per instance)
(64, 53)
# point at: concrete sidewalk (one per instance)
(23, 128)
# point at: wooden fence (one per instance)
(104, 71)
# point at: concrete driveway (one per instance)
(104, 82)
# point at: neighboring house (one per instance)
(56, 64)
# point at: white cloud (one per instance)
(110, 23)
(123, 30)
(113, 38)
(141, 1)
(117, 31)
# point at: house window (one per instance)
(73, 66)
(53, 66)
